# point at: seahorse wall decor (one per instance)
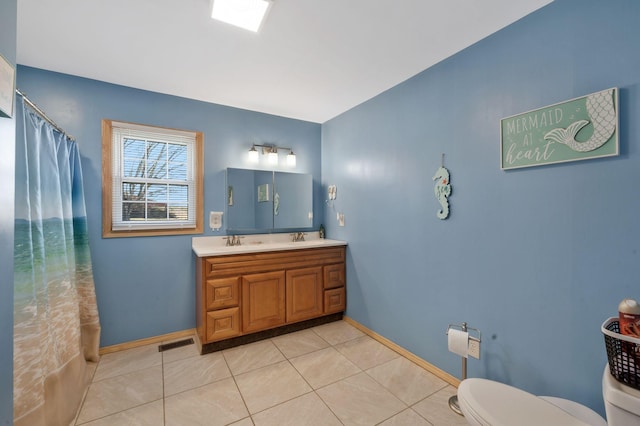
(442, 191)
(602, 113)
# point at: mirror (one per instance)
(259, 200)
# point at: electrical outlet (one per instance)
(474, 347)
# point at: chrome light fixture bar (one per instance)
(247, 14)
(271, 151)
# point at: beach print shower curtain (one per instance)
(56, 326)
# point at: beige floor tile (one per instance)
(306, 410)
(217, 403)
(244, 422)
(271, 385)
(90, 370)
(366, 352)
(123, 362)
(436, 409)
(405, 418)
(323, 367)
(151, 414)
(406, 380)
(194, 372)
(360, 400)
(358, 381)
(120, 393)
(299, 343)
(254, 355)
(182, 352)
(337, 332)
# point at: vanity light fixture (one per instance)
(247, 14)
(271, 151)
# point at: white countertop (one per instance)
(216, 246)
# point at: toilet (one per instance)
(621, 402)
(488, 403)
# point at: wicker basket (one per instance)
(623, 353)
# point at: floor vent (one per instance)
(173, 345)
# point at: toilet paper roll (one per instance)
(459, 342)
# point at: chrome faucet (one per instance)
(232, 240)
(298, 236)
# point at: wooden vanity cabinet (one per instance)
(243, 294)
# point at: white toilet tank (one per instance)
(621, 402)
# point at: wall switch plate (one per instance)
(474, 347)
(332, 192)
(340, 219)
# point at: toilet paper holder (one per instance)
(473, 349)
(472, 339)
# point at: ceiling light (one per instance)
(247, 14)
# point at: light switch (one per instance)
(332, 191)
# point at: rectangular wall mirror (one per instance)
(261, 200)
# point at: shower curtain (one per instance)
(56, 325)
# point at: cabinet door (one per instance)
(263, 301)
(304, 293)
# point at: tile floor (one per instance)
(332, 374)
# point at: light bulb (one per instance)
(253, 155)
(273, 156)
(291, 159)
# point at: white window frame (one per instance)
(113, 135)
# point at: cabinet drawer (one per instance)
(222, 324)
(334, 300)
(334, 275)
(223, 293)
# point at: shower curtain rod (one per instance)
(43, 115)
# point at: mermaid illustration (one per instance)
(442, 191)
(601, 110)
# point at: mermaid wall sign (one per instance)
(442, 190)
(579, 129)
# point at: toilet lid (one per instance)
(496, 404)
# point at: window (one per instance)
(151, 180)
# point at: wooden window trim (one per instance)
(107, 195)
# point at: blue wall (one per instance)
(145, 286)
(8, 18)
(535, 258)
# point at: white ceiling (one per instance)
(312, 60)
